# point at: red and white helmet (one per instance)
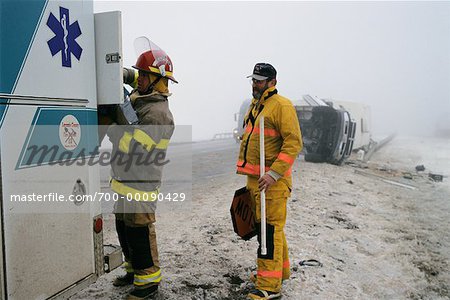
(156, 61)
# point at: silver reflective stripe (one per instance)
(25, 98)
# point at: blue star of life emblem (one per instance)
(65, 35)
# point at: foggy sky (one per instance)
(394, 56)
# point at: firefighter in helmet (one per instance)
(137, 182)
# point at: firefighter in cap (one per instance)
(283, 143)
(136, 175)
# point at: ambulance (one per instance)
(58, 63)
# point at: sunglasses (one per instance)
(255, 81)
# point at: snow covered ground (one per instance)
(375, 240)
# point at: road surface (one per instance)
(189, 165)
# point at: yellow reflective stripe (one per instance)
(146, 279)
(157, 71)
(148, 142)
(124, 143)
(163, 144)
(144, 139)
(135, 194)
(128, 267)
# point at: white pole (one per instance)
(262, 170)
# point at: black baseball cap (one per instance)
(263, 71)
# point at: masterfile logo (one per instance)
(65, 35)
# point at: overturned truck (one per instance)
(329, 129)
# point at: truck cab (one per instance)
(328, 133)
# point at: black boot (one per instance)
(146, 293)
(124, 280)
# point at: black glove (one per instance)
(128, 76)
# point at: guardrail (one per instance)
(378, 146)
(222, 136)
